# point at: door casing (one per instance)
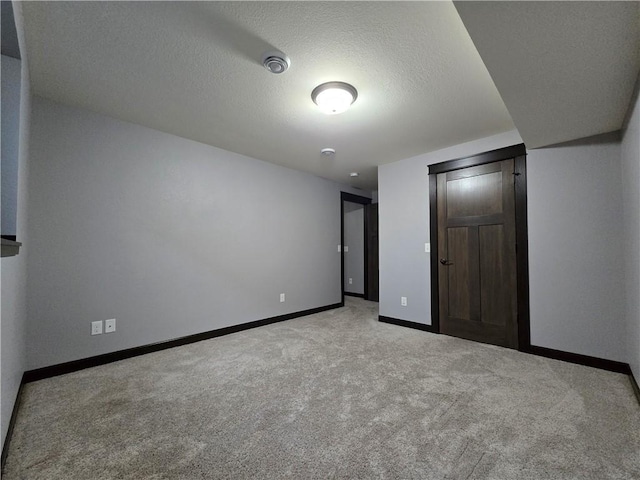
(373, 274)
(518, 153)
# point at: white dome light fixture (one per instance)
(334, 97)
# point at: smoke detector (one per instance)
(327, 152)
(276, 62)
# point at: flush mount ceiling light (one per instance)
(334, 97)
(276, 62)
(327, 152)
(353, 174)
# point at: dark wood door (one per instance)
(371, 216)
(477, 253)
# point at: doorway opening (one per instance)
(359, 247)
(353, 249)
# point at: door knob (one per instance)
(444, 262)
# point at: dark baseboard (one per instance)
(75, 365)
(634, 385)
(610, 365)
(359, 295)
(407, 323)
(12, 423)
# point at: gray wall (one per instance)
(354, 240)
(403, 192)
(14, 269)
(10, 80)
(169, 236)
(631, 233)
(575, 240)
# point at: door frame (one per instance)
(519, 154)
(350, 197)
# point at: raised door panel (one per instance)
(458, 273)
(494, 294)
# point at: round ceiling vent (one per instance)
(276, 62)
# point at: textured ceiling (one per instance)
(565, 70)
(193, 69)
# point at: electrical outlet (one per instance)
(351, 281)
(403, 301)
(346, 249)
(110, 325)
(281, 297)
(427, 248)
(96, 327)
(339, 248)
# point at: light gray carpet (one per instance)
(333, 395)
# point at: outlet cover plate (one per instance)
(110, 325)
(96, 327)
